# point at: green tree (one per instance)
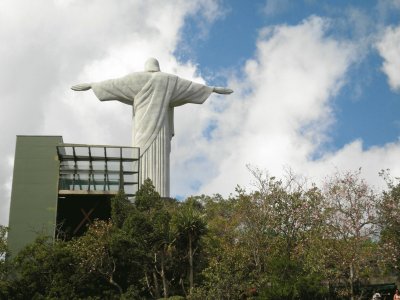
(258, 242)
(4, 264)
(283, 217)
(189, 226)
(148, 225)
(120, 209)
(94, 251)
(47, 269)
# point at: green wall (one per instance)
(34, 190)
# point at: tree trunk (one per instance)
(183, 286)
(164, 279)
(148, 284)
(351, 281)
(190, 265)
(156, 287)
(111, 280)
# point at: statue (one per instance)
(153, 96)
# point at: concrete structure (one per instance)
(153, 96)
(34, 190)
(58, 188)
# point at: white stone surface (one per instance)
(153, 96)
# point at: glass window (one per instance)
(102, 173)
(97, 151)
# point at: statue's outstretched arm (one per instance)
(222, 90)
(81, 87)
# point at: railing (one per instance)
(98, 169)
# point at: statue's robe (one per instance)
(153, 96)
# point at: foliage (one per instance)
(285, 239)
(3, 242)
(389, 221)
(350, 231)
(120, 209)
(4, 266)
(45, 268)
(189, 226)
(94, 252)
(266, 236)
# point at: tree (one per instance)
(351, 230)
(389, 221)
(258, 242)
(46, 268)
(120, 209)
(4, 265)
(94, 251)
(281, 219)
(189, 227)
(148, 225)
(226, 268)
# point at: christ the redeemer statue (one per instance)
(153, 96)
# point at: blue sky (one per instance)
(317, 83)
(365, 107)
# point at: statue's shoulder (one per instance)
(136, 78)
(136, 75)
(164, 75)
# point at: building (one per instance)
(59, 188)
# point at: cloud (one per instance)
(283, 120)
(386, 7)
(389, 49)
(353, 156)
(47, 46)
(281, 113)
(280, 116)
(274, 7)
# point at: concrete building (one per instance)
(59, 188)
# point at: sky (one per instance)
(316, 83)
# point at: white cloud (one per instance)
(284, 120)
(389, 49)
(47, 46)
(353, 156)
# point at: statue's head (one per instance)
(152, 65)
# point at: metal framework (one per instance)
(98, 169)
